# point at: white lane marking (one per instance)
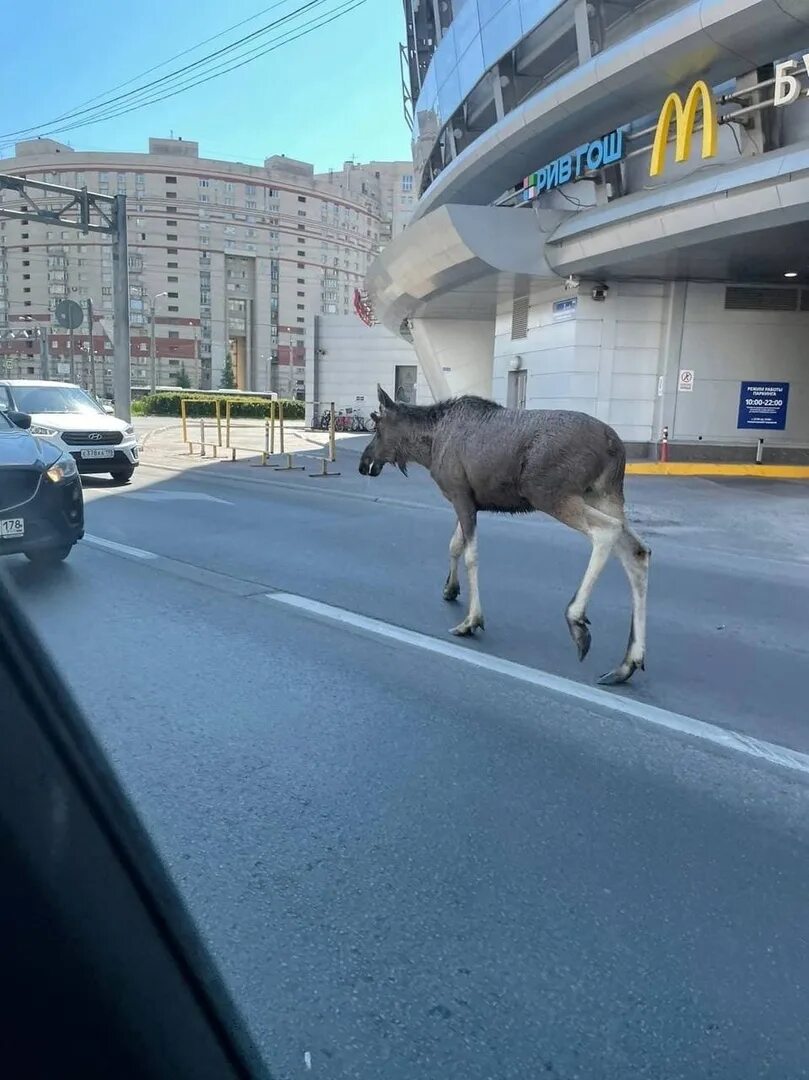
(121, 549)
(176, 496)
(590, 695)
(307, 1060)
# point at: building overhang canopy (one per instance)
(745, 223)
(453, 261)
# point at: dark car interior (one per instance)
(104, 974)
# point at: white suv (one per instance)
(70, 417)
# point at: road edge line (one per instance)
(725, 738)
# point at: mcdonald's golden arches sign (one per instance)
(684, 117)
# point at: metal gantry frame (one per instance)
(88, 212)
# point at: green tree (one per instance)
(182, 378)
(228, 380)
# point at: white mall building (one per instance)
(613, 215)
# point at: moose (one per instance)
(485, 457)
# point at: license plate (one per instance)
(12, 528)
(97, 453)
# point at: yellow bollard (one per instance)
(289, 466)
(228, 403)
(331, 453)
(202, 437)
(184, 418)
(218, 422)
(272, 427)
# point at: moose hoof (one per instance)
(623, 673)
(580, 632)
(468, 626)
(451, 592)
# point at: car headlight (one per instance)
(64, 469)
(38, 429)
(129, 431)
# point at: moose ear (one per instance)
(385, 401)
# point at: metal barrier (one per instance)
(274, 420)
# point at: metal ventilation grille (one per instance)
(744, 298)
(519, 318)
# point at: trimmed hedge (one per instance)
(168, 404)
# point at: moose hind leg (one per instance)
(634, 557)
(452, 587)
(603, 531)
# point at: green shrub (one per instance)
(137, 408)
(168, 404)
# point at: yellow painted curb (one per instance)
(715, 468)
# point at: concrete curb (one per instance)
(709, 468)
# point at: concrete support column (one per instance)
(672, 344)
(455, 355)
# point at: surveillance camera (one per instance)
(572, 282)
(599, 292)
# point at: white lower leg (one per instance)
(474, 617)
(603, 535)
(471, 560)
(452, 585)
(634, 556)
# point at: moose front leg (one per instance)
(474, 618)
(452, 587)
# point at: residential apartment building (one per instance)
(389, 182)
(233, 258)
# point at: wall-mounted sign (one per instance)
(588, 158)
(787, 88)
(565, 309)
(763, 405)
(684, 117)
(685, 382)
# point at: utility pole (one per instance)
(152, 353)
(72, 348)
(44, 358)
(90, 353)
(121, 378)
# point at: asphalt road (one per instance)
(413, 868)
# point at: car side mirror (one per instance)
(19, 419)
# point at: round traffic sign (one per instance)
(69, 314)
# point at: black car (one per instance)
(41, 501)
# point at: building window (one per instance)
(171, 179)
(171, 266)
(203, 198)
(249, 189)
(169, 236)
(301, 213)
(204, 183)
(173, 334)
(169, 209)
(300, 307)
(301, 198)
(172, 278)
(173, 307)
(173, 295)
(171, 251)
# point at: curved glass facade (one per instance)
(481, 33)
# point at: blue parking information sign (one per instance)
(763, 405)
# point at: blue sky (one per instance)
(327, 97)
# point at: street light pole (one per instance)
(152, 354)
(90, 352)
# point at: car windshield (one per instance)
(54, 399)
